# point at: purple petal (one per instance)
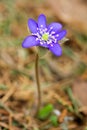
(43, 45)
(54, 27)
(42, 21)
(29, 41)
(56, 49)
(32, 25)
(61, 35)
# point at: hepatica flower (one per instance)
(45, 35)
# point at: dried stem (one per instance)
(38, 84)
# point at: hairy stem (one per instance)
(38, 84)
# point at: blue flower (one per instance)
(45, 35)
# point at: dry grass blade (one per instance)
(8, 94)
(2, 124)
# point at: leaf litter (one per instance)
(63, 80)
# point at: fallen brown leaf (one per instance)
(80, 91)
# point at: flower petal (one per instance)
(43, 45)
(61, 35)
(54, 27)
(32, 25)
(29, 41)
(42, 21)
(56, 49)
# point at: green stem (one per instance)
(38, 84)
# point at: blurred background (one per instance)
(17, 76)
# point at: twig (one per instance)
(6, 108)
(8, 94)
(2, 124)
(10, 122)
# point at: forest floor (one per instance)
(63, 79)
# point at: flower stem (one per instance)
(38, 84)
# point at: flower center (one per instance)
(45, 36)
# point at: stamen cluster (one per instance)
(49, 34)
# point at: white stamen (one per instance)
(37, 39)
(52, 45)
(45, 29)
(53, 37)
(41, 25)
(48, 42)
(55, 41)
(52, 32)
(57, 35)
(51, 28)
(41, 43)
